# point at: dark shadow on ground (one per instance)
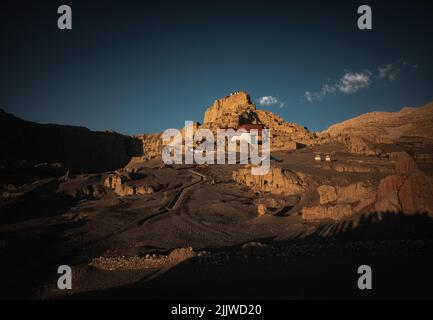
(322, 265)
(41, 202)
(375, 226)
(30, 257)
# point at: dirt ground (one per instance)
(56, 222)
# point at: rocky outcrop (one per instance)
(129, 184)
(404, 163)
(328, 194)
(358, 145)
(276, 181)
(151, 145)
(360, 195)
(327, 212)
(230, 112)
(409, 190)
(82, 188)
(237, 109)
(416, 193)
(387, 194)
(285, 135)
(338, 202)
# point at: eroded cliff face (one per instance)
(230, 112)
(237, 109)
(409, 190)
(151, 145)
(285, 135)
(276, 181)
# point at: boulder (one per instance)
(276, 181)
(328, 194)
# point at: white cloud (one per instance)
(268, 101)
(389, 72)
(348, 83)
(326, 88)
(314, 96)
(310, 97)
(353, 82)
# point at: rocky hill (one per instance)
(237, 109)
(232, 111)
(76, 148)
(388, 127)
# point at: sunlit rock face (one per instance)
(237, 109)
(409, 190)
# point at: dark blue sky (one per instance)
(139, 66)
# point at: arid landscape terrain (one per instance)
(360, 192)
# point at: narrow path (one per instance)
(177, 198)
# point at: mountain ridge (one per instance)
(387, 127)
